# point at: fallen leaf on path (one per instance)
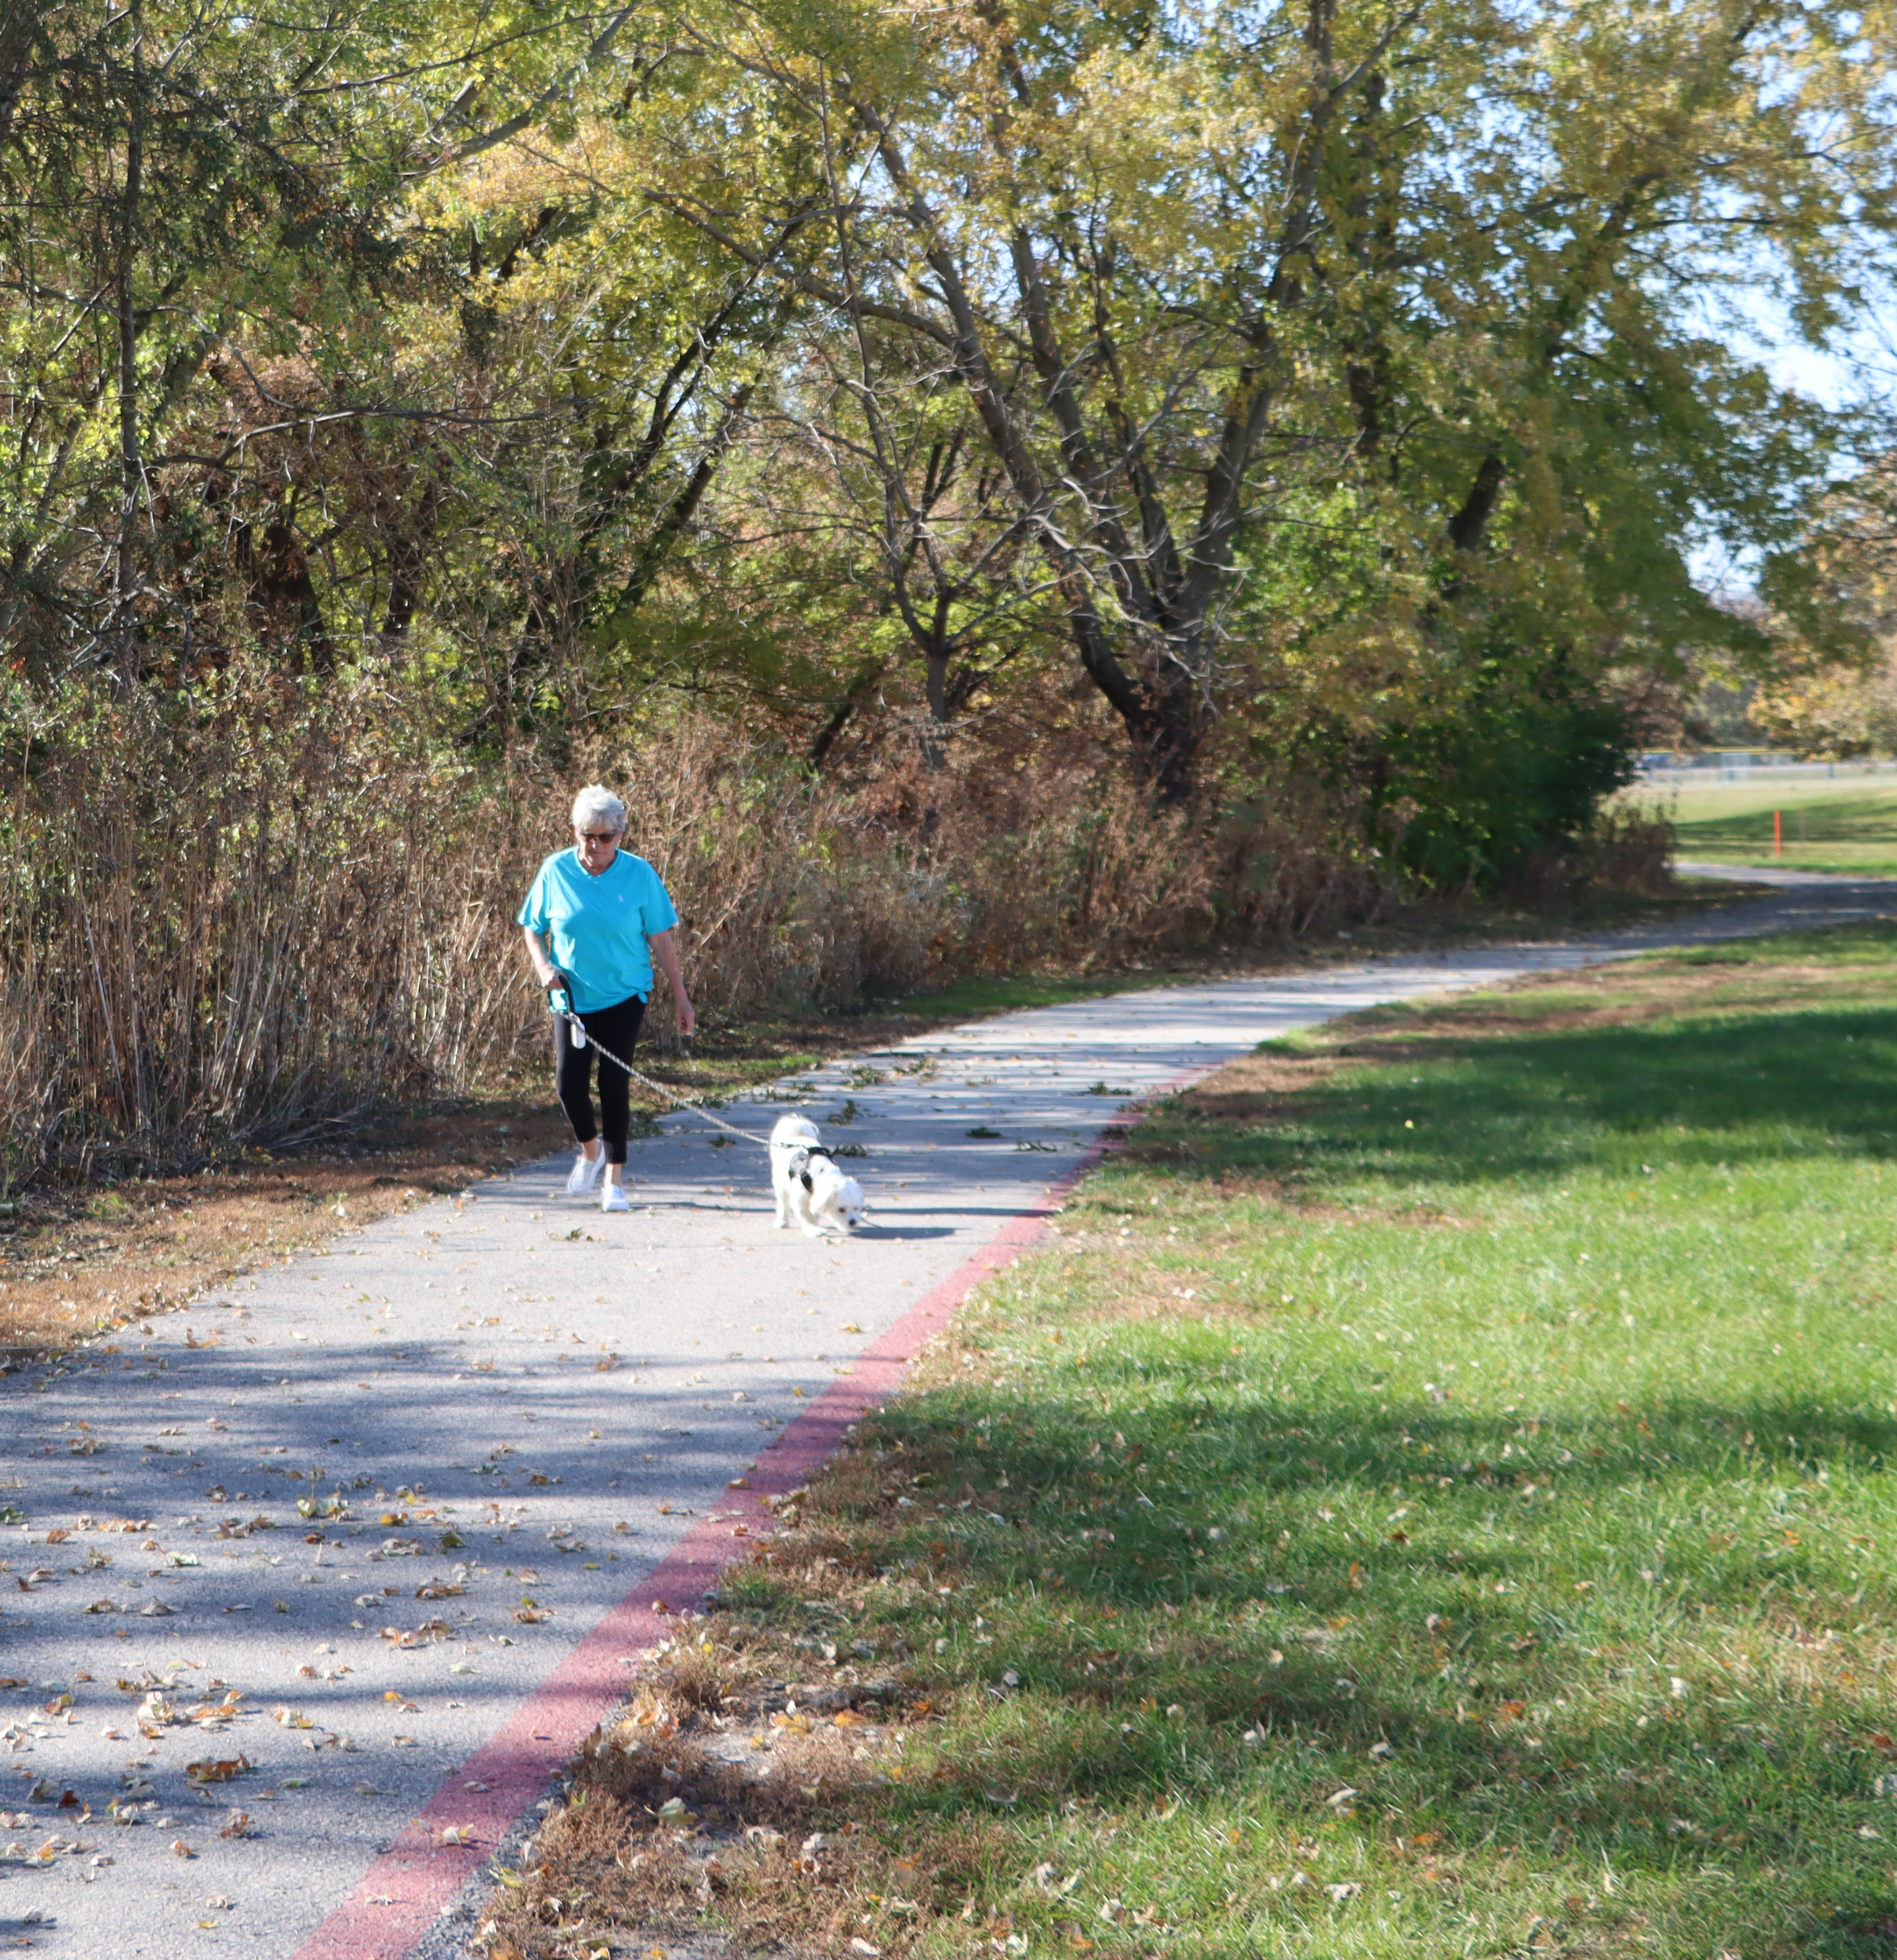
(428, 1631)
(220, 1771)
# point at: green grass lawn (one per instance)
(1432, 1499)
(1850, 829)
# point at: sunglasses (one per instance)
(597, 836)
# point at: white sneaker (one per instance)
(585, 1174)
(613, 1198)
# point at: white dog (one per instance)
(790, 1135)
(807, 1185)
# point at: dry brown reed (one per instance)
(248, 917)
(241, 920)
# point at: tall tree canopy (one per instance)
(1352, 380)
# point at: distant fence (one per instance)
(1721, 770)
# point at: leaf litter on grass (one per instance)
(1524, 1584)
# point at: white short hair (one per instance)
(596, 804)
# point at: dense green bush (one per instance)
(1518, 769)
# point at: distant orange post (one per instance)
(1778, 834)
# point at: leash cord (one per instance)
(697, 1109)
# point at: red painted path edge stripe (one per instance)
(408, 1888)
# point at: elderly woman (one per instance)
(596, 921)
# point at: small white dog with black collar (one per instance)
(809, 1190)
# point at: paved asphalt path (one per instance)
(526, 1407)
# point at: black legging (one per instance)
(618, 1028)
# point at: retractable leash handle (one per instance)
(559, 1004)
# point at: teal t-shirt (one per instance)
(596, 927)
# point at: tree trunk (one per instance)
(131, 466)
(282, 595)
(1469, 526)
(19, 26)
(858, 691)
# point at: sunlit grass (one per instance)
(1432, 1498)
(1824, 827)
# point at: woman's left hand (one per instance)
(683, 1012)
